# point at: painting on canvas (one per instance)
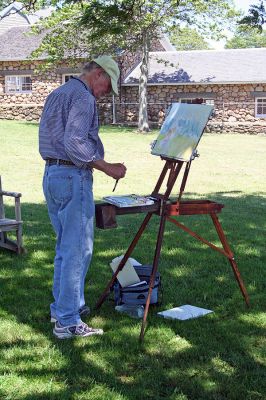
(182, 130)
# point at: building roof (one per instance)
(165, 42)
(204, 66)
(17, 44)
(15, 15)
(11, 9)
(166, 67)
(31, 18)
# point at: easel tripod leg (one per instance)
(232, 261)
(153, 274)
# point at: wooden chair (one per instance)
(8, 225)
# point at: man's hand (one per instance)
(115, 170)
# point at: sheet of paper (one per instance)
(184, 312)
(128, 275)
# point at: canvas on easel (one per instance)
(182, 130)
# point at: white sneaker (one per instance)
(82, 330)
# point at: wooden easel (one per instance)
(167, 210)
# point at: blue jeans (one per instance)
(69, 197)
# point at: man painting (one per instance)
(70, 145)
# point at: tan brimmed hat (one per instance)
(111, 67)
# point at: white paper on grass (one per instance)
(184, 312)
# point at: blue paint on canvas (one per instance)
(181, 131)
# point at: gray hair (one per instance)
(88, 67)
(92, 65)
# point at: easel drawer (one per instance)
(194, 207)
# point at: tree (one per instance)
(101, 26)
(256, 17)
(246, 37)
(3, 4)
(188, 39)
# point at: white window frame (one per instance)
(256, 107)
(205, 100)
(64, 76)
(18, 85)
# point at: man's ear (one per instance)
(98, 73)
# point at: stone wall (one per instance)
(26, 106)
(25, 112)
(250, 128)
(42, 82)
(234, 104)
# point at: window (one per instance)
(18, 84)
(260, 107)
(187, 101)
(192, 101)
(66, 77)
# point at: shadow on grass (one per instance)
(216, 357)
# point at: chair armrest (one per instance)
(11, 194)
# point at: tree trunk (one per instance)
(143, 125)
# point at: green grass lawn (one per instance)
(220, 356)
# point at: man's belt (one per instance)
(56, 161)
(68, 163)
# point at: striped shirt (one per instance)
(69, 125)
